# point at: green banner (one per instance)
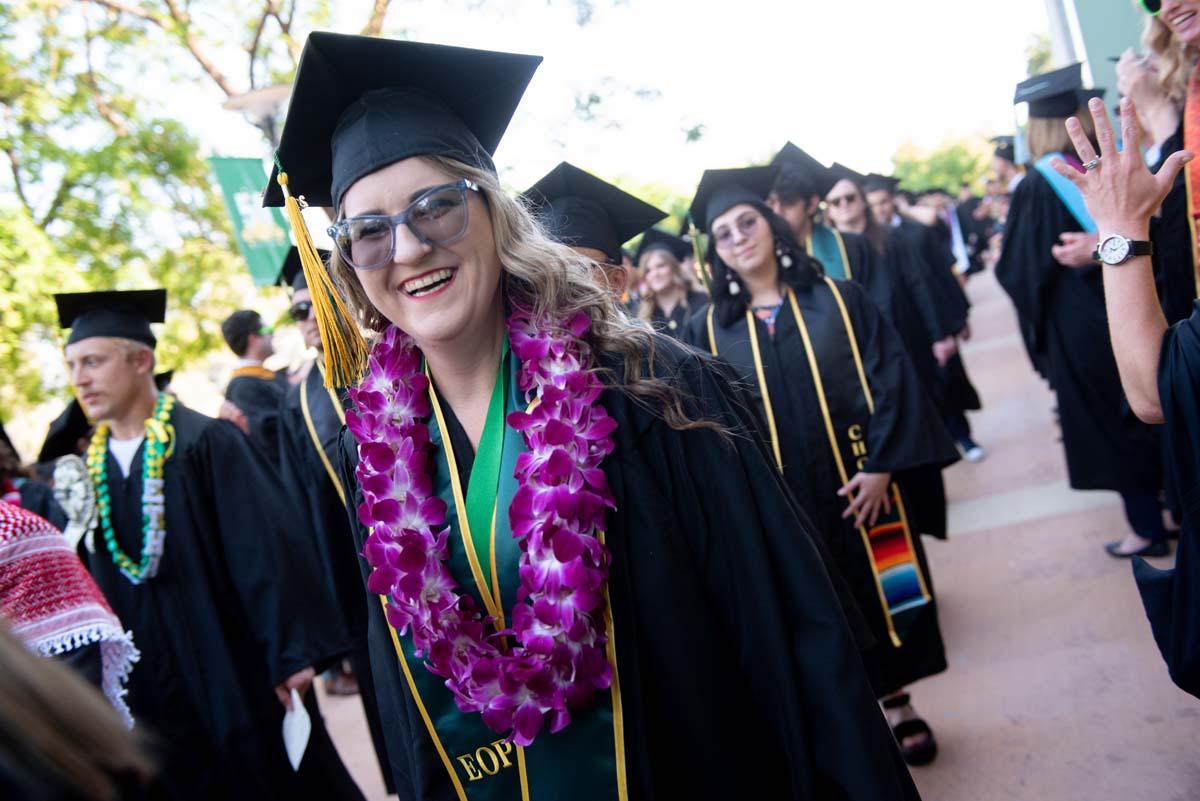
(262, 234)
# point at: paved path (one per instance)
(1055, 690)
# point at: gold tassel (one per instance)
(701, 267)
(345, 349)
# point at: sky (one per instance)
(848, 81)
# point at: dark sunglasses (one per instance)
(844, 200)
(437, 217)
(746, 224)
(1151, 7)
(301, 311)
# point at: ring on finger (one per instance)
(1091, 165)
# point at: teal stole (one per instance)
(1067, 192)
(586, 760)
(826, 246)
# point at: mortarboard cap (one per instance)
(580, 210)
(1055, 94)
(876, 182)
(840, 172)
(721, 190)
(801, 174)
(654, 239)
(127, 315)
(291, 274)
(1006, 148)
(62, 438)
(360, 103)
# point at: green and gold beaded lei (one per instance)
(160, 443)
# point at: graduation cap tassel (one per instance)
(701, 267)
(345, 349)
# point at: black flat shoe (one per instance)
(926, 749)
(1155, 548)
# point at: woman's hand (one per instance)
(300, 682)
(1075, 249)
(1137, 79)
(871, 494)
(1120, 192)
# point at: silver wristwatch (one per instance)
(1117, 249)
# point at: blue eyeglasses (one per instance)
(437, 217)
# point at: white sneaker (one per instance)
(976, 454)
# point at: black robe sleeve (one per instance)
(1172, 597)
(1174, 272)
(259, 400)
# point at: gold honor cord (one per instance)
(762, 378)
(615, 691)
(837, 454)
(316, 441)
(333, 396)
(491, 599)
(837, 235)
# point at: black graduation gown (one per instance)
(905, 435)
(1107, 448)
(259, 399)
(673, 324)
(236, 608)
(739, 677)
(955, 393)
(1171, 233)
(1172, 597)
(38, 497)
(305, 474)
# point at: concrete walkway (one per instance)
(1055, 690)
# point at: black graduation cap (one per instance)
(721, 190)
(580, 210)
(64, 433)
(360, 103)
(1006, 148)
(876, 182)
(841, 172)
(654, 239)
(1055, 94)
(292, 272)
(112, 313)
(799, 169)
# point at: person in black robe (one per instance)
(957, 394)
(1159, 364)
(253, 391)
(727, 640)
(232, 618)
(669, 299)
(1107, 447)
(902, 431)
(310, 420)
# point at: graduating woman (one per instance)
(1107, 448)
(587, 581)
(844, 412)
(668, 299)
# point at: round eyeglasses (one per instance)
(300, 311)
(437, 217)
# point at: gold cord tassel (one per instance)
(345, 349)
(701, 267)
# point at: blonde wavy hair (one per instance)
(648, 302)
(1174, 59)
(554, 282)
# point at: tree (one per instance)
(953, 163)
(1038, 57)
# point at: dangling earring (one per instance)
(734, 286)
(783, 254)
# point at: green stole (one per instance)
(586, 760)
(840, 383)
(826, 246)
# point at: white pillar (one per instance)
(1062, 45)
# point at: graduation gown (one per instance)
(673, 324)
(308, 420)
(738, 675)
(905, 435)
(1107, 448)
(258, 393)
(1172, 597)
(237, 607)
(1174, 271)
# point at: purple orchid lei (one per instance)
(558, 661)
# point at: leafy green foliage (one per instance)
(953, 163)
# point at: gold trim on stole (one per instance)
(316, 440)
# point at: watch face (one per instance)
(1114, 250)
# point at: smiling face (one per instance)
(1182, 17)
(744, 241)
(434, 293)
(845, 206)
(660, 272)
(108, 374)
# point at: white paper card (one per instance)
(297, 726)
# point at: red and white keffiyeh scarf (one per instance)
(51, 602)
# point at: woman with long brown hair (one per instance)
(588, 581)
(668, 298)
